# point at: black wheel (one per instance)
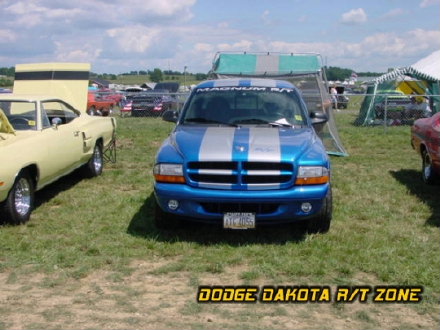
(428, 174)
(18, 206)
(321, 222)
(92, 111)
(96, 163)
(164, 220)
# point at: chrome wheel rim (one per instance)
(22, 197)
(427, 166)
(97, 160)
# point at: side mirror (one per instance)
(318, 117)
(56, 121)
(171, 116)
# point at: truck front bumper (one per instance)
(269, 206)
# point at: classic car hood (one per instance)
(262, 144)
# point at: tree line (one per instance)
(157, 75)
(337, 73)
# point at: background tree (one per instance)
(336, 73)
(156, 76)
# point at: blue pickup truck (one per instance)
(244, 153)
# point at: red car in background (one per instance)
(97, 105)
(425, 139)
(111, 95)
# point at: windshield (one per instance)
(244, 105)
(21, 114)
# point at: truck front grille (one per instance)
(240, 175)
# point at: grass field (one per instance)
(90, 256)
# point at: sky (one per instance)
(130, 35)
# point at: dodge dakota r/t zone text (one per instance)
(243, 154)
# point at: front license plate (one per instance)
(238, 220)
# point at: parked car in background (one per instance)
(126, 109)
(425, 139)
(41, 139)
(395, 106)
(243, 154)
(155, 102)
(110, 95)
(97, 105)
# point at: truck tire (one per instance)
(17, 207)
(321, 222)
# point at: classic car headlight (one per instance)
(312, 175)
(171, 173)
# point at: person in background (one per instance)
(334, 96)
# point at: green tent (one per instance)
(305, 71)
(386, 85)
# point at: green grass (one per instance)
(385, 226)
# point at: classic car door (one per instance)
(62, 138)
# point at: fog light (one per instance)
(306, 207)
(173, 204)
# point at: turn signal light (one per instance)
(169, 178)
(312, 180)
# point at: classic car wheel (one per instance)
(163, 220)
(321, 222)
(96, 163)
(428, 174)
(18, 206)
(92, 111)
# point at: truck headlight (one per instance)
(312, 175)
(171, 173)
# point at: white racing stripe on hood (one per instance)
(217, 144)
(264, 144)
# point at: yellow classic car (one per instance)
(43, 138)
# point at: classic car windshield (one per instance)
(21, 114)
(241, 106)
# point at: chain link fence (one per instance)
(151, 104)
(388, 109)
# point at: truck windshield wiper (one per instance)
(258, 121)
(277, 124)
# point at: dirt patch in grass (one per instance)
(142, 298)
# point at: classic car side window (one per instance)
(58, 112)
(21, 114)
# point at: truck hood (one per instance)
(257, 144)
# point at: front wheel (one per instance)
(96, 163)
(18, 206)
(428, 174)
(321, 222)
